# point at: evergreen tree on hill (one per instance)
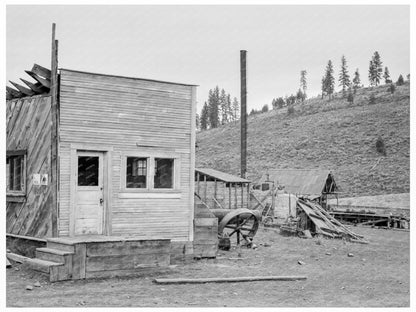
(356, 82)
(203, 121)
(328, 81)
(344, 77)
(386, 75)
(303, 83)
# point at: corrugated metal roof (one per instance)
(298, 181)
(221, 176)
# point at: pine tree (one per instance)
(344, 78)
(236, 109)
(356, 82)
(386, 75)
(203, 121)
(375, 69)
(303, 83)
(213, 107)
(197, 121)
(228, 108)
(329, 81)
(400, 80)
(323, 87)
(223, 107)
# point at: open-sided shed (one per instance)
(221, 190)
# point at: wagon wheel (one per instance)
(243, 223)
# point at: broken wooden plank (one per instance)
(8, 264)
(41, 71)
(227, 279)
(36, 87)
(44, 82)
(14, 93)
(22, 89)
(16, 258)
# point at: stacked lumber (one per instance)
(325, 224)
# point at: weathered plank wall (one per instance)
(28, 128)
(126, 114)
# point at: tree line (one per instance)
(218, 110)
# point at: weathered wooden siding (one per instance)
(125, 114)
(28, 128)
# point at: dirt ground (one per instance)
(376, 275)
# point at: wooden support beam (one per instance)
(22, 89)
(41, 71)
(54, 170)
(14, 93)
(205, 188)
(44, 82)
(36, 87)
(9, 96)
(229, 195)
(226, 279)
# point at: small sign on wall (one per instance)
(36, 179)
(44, 179)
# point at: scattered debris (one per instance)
(301, 262)
(8, 264)
(328, 253)
(350, 255)
(307, 234)
(29, 287)
(16, 258)
(267, 245)
(37, 284)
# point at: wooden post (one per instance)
(242, 195)
(197, 174)
(54, 135)
(248, 195)
(235, 195)
(215, 188)
(205, 189)
(243, 115)
(229, 195)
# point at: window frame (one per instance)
(20, 193)
(150, 157)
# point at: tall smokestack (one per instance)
(243, 115)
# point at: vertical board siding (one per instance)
(28, 128)
(124, 114)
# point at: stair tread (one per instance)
(44, 262)
(54, 251)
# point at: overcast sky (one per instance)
(200, 44)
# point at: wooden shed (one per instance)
(99, 161)
(221, 190)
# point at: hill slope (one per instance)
(333, 135)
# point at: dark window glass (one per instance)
(136, 175)
(15, 173)
(88, 170)
(163, 173)
(265, 187)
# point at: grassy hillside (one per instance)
(334, 135)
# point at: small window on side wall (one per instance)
(163, 178)
(136, 173)
(15, 173)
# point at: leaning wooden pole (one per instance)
(227, 279)
(243, 115)
(54, 135)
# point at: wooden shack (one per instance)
(221, 190)
(102, 168)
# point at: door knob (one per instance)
(101, 201)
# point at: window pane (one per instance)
(136, 172)
(15, 171)
(88, 170)
(163, 173)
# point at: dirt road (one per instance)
(376, 275)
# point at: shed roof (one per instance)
(221, 176)
(302, 181)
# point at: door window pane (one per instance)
(136, 174)
(88, 170)
(163, 173)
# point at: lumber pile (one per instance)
(325, 224)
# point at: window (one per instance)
(88, 170)
(136, 173)
(265, 187)
(15, 173)
(163, 173)
(154, 173)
